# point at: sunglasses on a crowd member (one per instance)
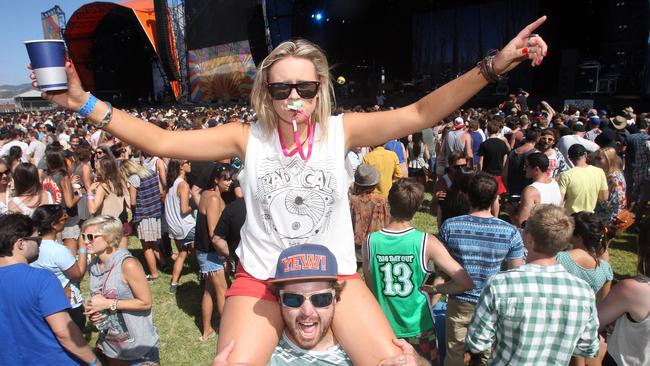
(89, 238)
(306, 89)
(547, 139)
(319, 300)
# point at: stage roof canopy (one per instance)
(84, 22)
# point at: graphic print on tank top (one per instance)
(297, 200)
(113, 327)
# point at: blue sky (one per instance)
(20, 20)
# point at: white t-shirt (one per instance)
(64, 137)
(23, 146)
(57, 259)
(290, 201)
(94, 138)
(37, 150)
(569, 140)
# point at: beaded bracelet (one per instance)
(88, 107)
(486, 67)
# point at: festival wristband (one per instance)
(88, 107)
(82, 250)
(93, 362)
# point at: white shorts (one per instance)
(71, 232)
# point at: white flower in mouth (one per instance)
(295, 105)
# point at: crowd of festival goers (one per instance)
(73, 199)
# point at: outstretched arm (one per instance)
(440, 103)
(211, 144)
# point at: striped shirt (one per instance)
(535, 315)
(480, 245)
(148, 204)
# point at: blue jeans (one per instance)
(209, 261)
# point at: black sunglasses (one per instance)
(319, 300)
(306, 89)
(37, 239)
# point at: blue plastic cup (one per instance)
(48, 63)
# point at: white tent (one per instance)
(31, 101)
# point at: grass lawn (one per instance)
(177, 317)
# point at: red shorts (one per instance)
(247, 285)
(502, 187)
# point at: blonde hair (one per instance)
(129, 168)
(551, 228)
(610, 160)
(109, 227)
(261, 100)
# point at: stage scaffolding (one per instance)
(177, 11)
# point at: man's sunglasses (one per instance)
(305, 89)
(89, 238)
(319, 300)
(36, 239)
(547, 139)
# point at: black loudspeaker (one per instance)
(256, 34)
(567, 76)
(165, 51)
(216, 22)
(587, 78)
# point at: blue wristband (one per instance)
(93, 362)
(88, 107)
(82, 250)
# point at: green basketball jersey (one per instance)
(398, 269)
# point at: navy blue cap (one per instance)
(306, 262)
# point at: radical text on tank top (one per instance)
(290, 201)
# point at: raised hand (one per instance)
(71, 99)
(527, 45)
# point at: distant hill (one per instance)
(8, 91)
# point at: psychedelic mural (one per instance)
(221, 72)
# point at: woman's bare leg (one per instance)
(361, 326)
(178, 265)
(219, 286)
(207, 305)
(150, 258)
(254, 324)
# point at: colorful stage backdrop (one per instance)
(51, 29)
(223, 72)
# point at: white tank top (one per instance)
(179, 226)
(549, 193)
(291, 202)
(629, 344)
